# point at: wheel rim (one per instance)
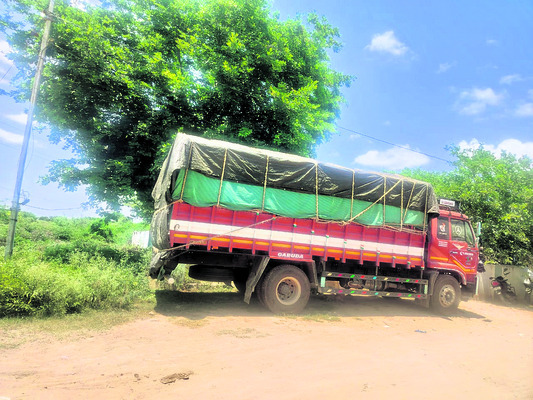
(447, 295)
(288, 291)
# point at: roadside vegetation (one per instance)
(63, 266)
(496, 190)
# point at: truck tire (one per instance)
(285, 290)
(239, 280)
(446, 295)
(260, 293)
(240, 285)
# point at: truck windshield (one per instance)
(462, 232)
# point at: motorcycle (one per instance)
(528, 283)
(503, 289)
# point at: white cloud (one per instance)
(525, 110)
(513, 146)
(492, 42)
(475, 101)
(83, 4)
(510, 79)
(387, 43)
(20, 118)
(5, 49)
(10, 137)
(395, 158)
(445, 67)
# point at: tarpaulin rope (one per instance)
(384, 199)
(265, 184)
(401, 208)
(222, 176)
(186, 171)
(426, 206)
(374, 203)
(408, 203)
(353, 193)
(316, 189)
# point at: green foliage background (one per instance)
(66, 265)
(496, 191)
(122, 78)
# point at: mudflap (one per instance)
(258, 268)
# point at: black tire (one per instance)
(260, 293)
(285, 290)
(240, 277)
(446, 295)
(509, 298)
(240, 285)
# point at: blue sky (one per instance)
(428, 74)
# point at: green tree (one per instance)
(123, 78)
(497, 191)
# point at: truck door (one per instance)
(462, 247)
(440, 253)
(453, 246)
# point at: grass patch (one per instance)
(31, 286)
(62, 266)
(242, 333)
(190, 323)
(321, 317)
(184, 283)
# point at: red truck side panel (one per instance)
(292, 238)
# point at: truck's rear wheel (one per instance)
(285, 289)
(240, 285)
(239, 280)
(260, 292)
(446, 294)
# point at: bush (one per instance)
(43, 288)
(134, 258)
(63, 265)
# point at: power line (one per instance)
(394, 144)
(16, 147)
(53, 209)
(10, 125)
(42, 155)
(9, 69)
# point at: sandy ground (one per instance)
(216, 347)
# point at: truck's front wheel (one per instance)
(446, 294)
(285, 289)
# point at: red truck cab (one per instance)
(452, 246)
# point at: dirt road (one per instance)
(213, 346)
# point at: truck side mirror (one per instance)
(478, 234)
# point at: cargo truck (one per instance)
(282, 227)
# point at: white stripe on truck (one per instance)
(298, 238)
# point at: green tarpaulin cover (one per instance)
(205, 172)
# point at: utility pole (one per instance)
(27, 133)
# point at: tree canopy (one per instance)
(122, 78)
(496, 191)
